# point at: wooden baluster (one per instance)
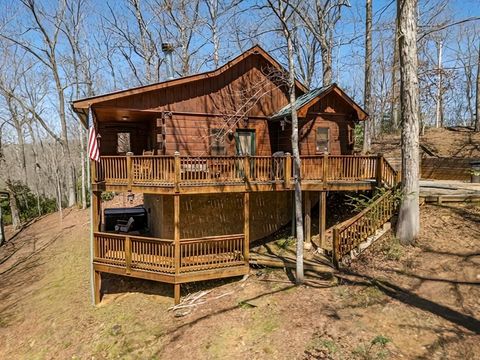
(325, 170)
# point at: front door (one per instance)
(245, 142)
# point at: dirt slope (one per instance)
(443, 142)
(397, 302)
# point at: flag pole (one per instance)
(92, 285)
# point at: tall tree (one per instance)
(408, 225)
(321, 18)
(367, 93)
(281, 10)
(477, 99)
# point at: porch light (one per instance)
(125, 118)
(130, 197)
(282, 124)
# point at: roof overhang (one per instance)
(305, 101)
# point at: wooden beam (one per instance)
(96, 210)
(176, 231)
(97, 287)
(176, 293)
(322, 210)
(246, 226)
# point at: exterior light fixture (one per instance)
(125, 118)
(282, 124)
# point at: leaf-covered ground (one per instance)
(395, 302)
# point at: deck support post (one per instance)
(246, 226)
(176, 239)
(308, 218)
(97, 287)
(322, 209)
(176, 293)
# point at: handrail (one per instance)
(102, 233)
(352, 232)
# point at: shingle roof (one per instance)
(300, 102)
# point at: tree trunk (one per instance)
(438, 107)
(16, 223)
(2, 231)
(477, 99)
(296, 163)
(394, 88)
(326, 52)
(367, 124)
(408, 225)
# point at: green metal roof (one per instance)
(300, 102)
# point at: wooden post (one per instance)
(379, 169)
(97, 287)
(322, 210)
(288, 170)
(246, 226)
(128, 254)
(96, 210)
(176, 293)
(176, 237)
(129, 171)
(93, 171)
(308, 218)
(336, 241)
(246, 167)
(325, 170)
(177, 171)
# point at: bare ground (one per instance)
(395, 302)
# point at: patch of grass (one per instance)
(367, 297)
(393, 250)
(375, 350)
(245, 305)
(285, 243)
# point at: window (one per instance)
(322, 141)
(217, 142)
(123, 143)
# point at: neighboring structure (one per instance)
(210, 153)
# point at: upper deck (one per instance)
(217, 174)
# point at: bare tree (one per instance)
(321, 18)
(408, 225)
(367, 94)
(281, 10)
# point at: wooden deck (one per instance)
(177, 260)
(156, 258)
(195, 175)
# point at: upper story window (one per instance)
(123, 143)
(323, 140)
(217, 142)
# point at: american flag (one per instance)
(93, 151)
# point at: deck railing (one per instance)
(158, 255)
(184, 171)
(351, 233)
(211, 252)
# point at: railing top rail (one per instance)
(342, 226)
(213, 238)
(106, 234)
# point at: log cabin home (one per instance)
(211, 155)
